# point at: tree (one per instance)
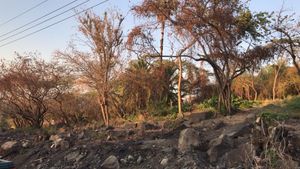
(98, 66)
(153, 9)
(141, 41)
(27, 87)
(277, 69)
(245, 86)
(286, 36)
(221, 30)
(145, 86)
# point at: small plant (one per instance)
(272, 156)
(186, 107)
(131, 117)
(238, 102)
(270, 117)
(3, 123)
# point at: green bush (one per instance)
(3, 122)
(161, 109)
(210, 103)
(238, 103)
(186, 107)
(270, 117)
(293, 103)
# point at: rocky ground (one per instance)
(195, 142)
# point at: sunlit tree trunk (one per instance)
(274, 89)
(180, 114)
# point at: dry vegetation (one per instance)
(224, 60)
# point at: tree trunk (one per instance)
(296, 64)
(224, 104)
(104, 110)
(162, 33)
(275, 83)
(253, 88)
(180, 114)
(255, 95)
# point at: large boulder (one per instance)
(188, 140)
(239, 130)
(110, 163)
(218, 147)
(237, 156)
(195, 118)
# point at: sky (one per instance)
(58, 36)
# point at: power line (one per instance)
(26, 11)
(55, 23)
(33, 21)
(39, 23)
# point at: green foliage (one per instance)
(293, 103)
(252, 24)
(186, 107)
(239, 103)
(271, 117)
(131, 117)
(290, 106)
(272, 156)
(161, 109)
(211, 103)
(3, 122)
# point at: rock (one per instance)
(164, 162)
(59, 142)
(129, 126)
(130, 132)
(54, 138)
(198, 117)
(74, 156)
(61, 130)
(149, 144)
(295, 138)
(123, 161)
(219, 124)
(149, 126)
(111, 163)
(81, 135)
(294, 143)
(258, 120)
(251, 117)
(218, 147)
(8, 145)
(239, 130)
(64, 144)
(109, 128)
(188, 139)
(130, 158)
(237, 156)
(25, 143)
(139, 160)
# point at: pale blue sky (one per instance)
(58, 36)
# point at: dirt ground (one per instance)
(135, 147)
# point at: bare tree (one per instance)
(286, 36)
(98, 66)
(27, 86)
